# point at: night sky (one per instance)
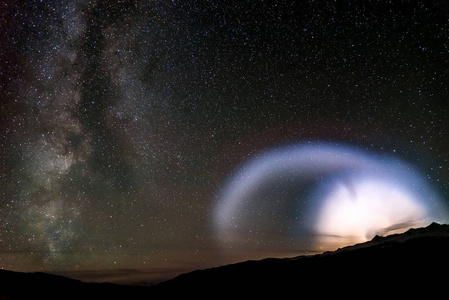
(163, 136)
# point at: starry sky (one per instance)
(124, 123)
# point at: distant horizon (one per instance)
(149, 276)
(160, 272)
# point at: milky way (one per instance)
(123, 125)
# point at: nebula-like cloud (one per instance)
(324, 190)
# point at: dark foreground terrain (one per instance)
(415, 263)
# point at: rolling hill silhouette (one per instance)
(409, 264)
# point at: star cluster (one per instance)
(122, 120)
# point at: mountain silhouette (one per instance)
(401, 264)
(413, 263)
(18, 285)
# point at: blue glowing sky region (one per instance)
(324, 190)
